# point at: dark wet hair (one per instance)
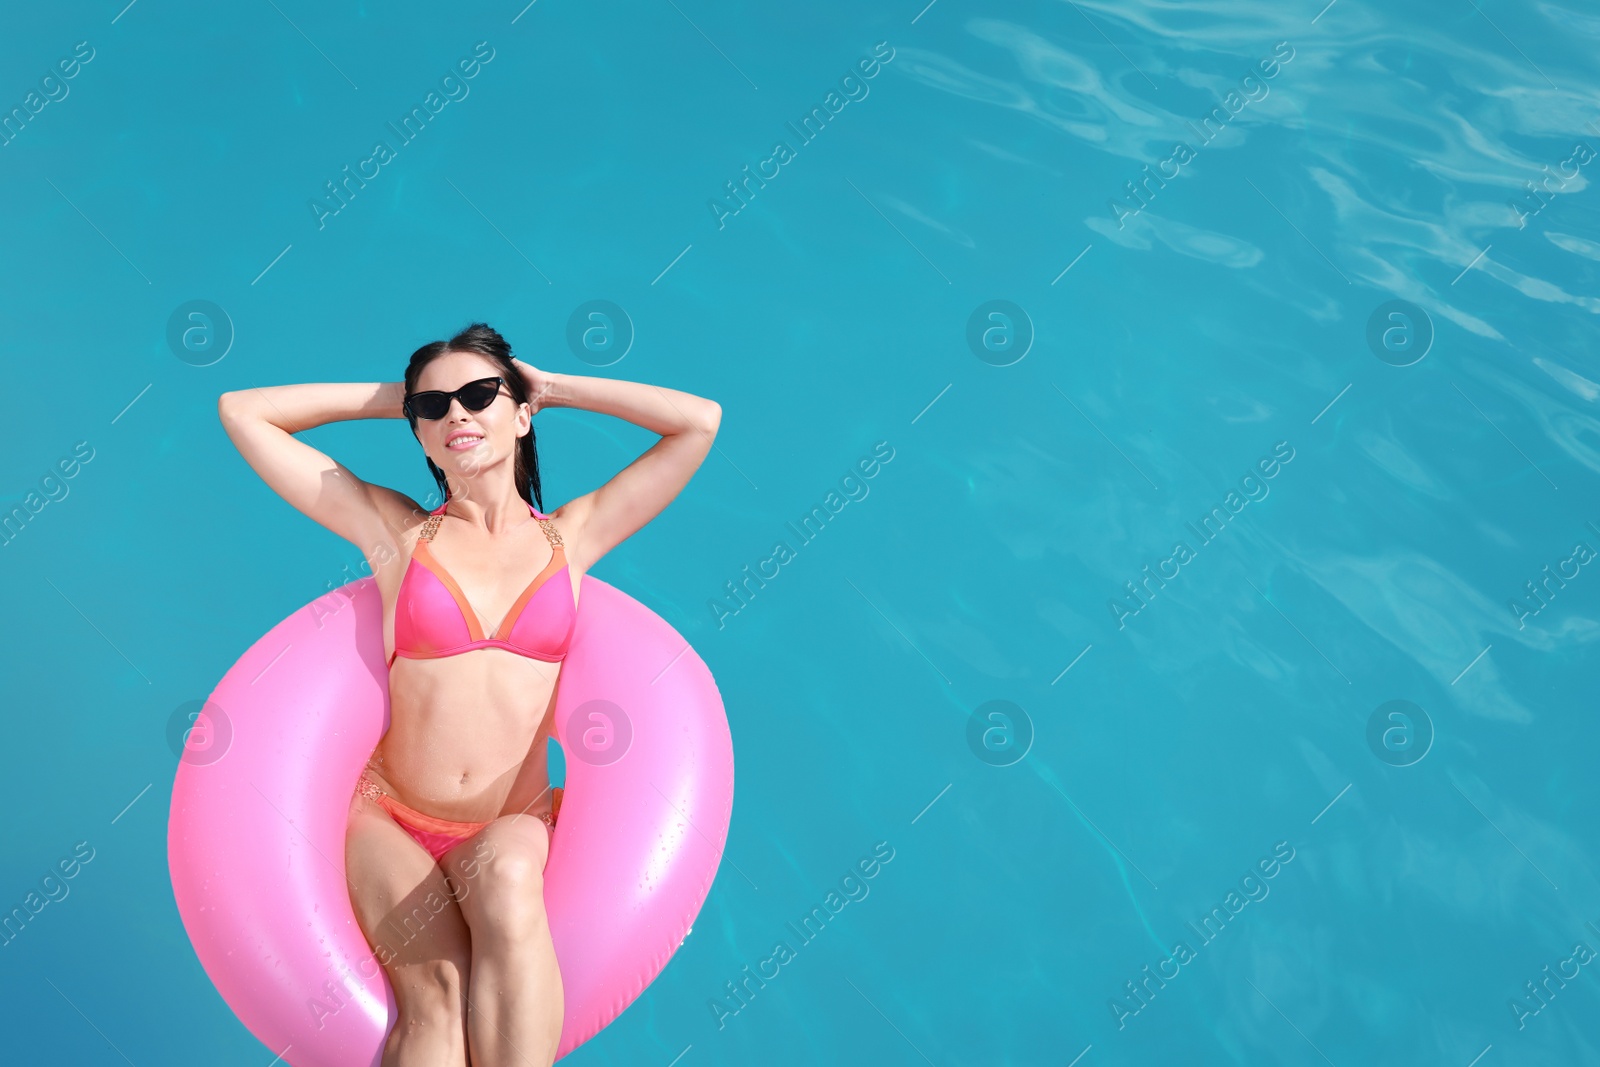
(484, 340)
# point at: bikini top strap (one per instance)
(551, 534)
(431, 526)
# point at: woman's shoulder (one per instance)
(569, 514)
(402, 517)
(568, 521)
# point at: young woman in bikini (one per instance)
(451, 822)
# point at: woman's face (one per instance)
(465, 443)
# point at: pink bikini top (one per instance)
(432, 618)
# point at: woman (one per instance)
(450, 824)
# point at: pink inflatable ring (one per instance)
(256, 839)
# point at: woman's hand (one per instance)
(539, 385)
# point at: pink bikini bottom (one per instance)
(436, 835)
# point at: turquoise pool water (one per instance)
(1213, 646)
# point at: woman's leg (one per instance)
(515, 1006)
(413, 923)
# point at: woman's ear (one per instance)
(524, 419)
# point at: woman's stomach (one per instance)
(467, 734)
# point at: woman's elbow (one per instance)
(232, 406)
(711, 418)
(234, 403)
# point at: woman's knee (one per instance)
(431, 992)
(512, 885)
(505, 895)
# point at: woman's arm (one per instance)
(262, 424)
(609, 515)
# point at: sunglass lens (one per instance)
(430, 405)
(478, 395)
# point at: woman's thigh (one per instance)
(500, 874)
(405, 906)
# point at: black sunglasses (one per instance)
(435, 403)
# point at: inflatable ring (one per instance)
(259, 808)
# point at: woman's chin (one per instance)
(468, 461)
